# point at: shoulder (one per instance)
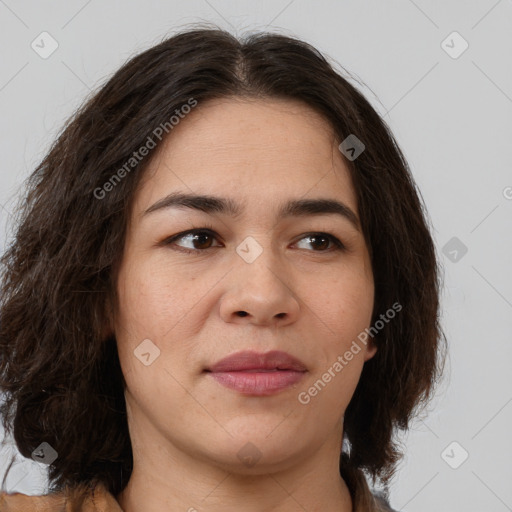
(18, 502)
(77, 499)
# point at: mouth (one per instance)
(257, 374)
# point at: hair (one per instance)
(59, 372)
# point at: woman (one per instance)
(223, 273)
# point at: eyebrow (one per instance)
(294, 208)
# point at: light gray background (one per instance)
(453, 120)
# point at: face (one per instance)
(254, 276)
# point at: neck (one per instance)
(167, 478)
(230, 492)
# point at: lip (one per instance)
(258, 374)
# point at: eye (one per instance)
(322, 240)
(198, 239)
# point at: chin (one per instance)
(255, 450)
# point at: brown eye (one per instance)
(321, 242)
(197, 240)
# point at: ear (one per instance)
(371, 350)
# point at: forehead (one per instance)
(256, 119)
(258, 148)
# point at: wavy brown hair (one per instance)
(60, 373)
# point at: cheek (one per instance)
(150, 310)
(152, 298)
(161, 305)
(343, 308)
(344, 303)
(350, 314)
(341, 354)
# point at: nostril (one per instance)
(241, 313)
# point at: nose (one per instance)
(259, 293)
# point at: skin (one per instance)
(300, 295)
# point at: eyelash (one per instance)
(338, 245)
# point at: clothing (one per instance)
(78, 499)
(83, 498)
